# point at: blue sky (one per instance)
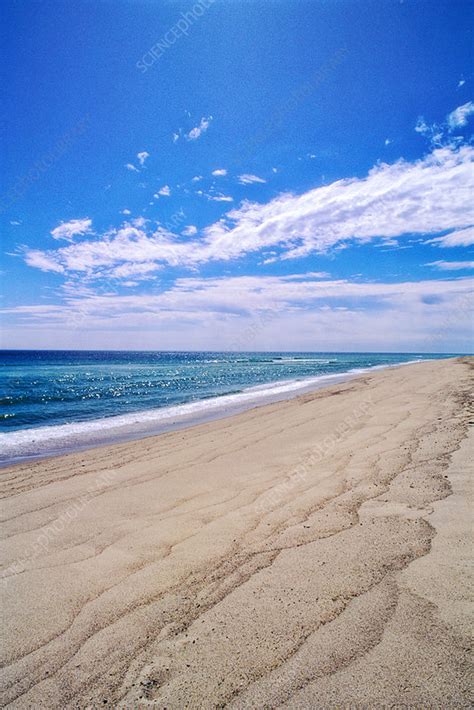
(227, 174)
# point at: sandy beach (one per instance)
(312, 553)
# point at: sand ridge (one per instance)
(297, 555)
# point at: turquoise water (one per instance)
(54, 401)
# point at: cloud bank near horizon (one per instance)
(310, 311)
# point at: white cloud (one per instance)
(458, 117)
(432, 132)
(125, 211)
(440, 135)
(196, 178)
(74, 228)
(43, 261)
(451, 265)
(164, 191)
(189, 231)
(220, 198)
(388, 141)
(175, 137)
(425, 197)
(131, 167)
(142, 157)
(421, 126)
(219, 172)
(248, 179)
(461, 82)
(15, 223)
(139, 269)
(458, 238)
(197, 132)
(95, 259)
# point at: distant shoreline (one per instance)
(30, 444)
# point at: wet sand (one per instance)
(306, 554)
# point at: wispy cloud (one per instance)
(440, 134)
(458, 238)
(44, 261)
(426, 197)
(136, 270)
(451, 265)
(131, 167)
(433, 132)
(458, 118)
(197, 132)
(421, 125)
(248, 179)
(74, 228)
(220, 198)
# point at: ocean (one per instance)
(54, 402)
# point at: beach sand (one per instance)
(307, 554)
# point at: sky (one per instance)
(237, 175)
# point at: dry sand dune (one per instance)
(306, 554)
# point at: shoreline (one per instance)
(306, 553)
(74, 437)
